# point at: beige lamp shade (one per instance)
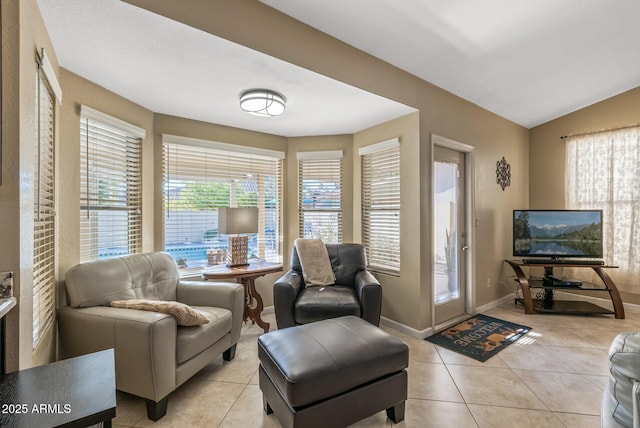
(237, 220)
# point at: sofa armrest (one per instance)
(227, 295)
(285, 293)
(635, 391)
(369, 292)
(144, 345)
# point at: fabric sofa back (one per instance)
(151, 276)
(346, 261)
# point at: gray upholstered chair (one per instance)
(621, 399)
(153, 355)
(356, 291)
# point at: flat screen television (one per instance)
(557, 233)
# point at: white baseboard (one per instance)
(421, 334)
(495, 303)
(409, 331)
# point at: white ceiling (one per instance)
(170, 68)
(527, 61)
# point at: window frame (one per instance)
(44, 221)
(114, 147)
(381, 209)
(203, 162)
(321, 166)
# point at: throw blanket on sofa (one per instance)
(314, 259)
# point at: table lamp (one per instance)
(234, 221)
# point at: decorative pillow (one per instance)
(315, 263)
(185, 315)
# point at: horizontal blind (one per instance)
(320, 199)
(44, 213)
(197, 181)
(381, 208)
(110, 191)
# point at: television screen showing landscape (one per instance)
(561, 233)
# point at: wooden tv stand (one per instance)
(548, 304)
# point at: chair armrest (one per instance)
(635, 391)
(144, 345)
(369, 292)
(228, 295)
(285, 293)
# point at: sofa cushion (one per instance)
(152, 276)
(314, 260)
(318, 303)
(184, 314)
(347, 259)
(193, 340)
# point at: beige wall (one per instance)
(23, 35)
(547, 150)
(440, 112)
(78, 92)
(403, 296)
(407, 298)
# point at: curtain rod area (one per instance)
(562, 137)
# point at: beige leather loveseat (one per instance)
(153, 355)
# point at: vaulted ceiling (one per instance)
(527, 61)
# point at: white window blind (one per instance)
(44, 211)
(110, 187)
(320, 195)
(199, 178)
(381, 205)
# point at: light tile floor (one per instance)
(553, 377)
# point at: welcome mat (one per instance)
(480, 337)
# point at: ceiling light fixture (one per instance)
(262, 102)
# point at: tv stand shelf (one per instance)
(548, 304)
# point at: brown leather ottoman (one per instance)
(332, 373)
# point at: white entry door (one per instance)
(450, 247)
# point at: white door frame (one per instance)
(470, 222)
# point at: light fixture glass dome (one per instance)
(262, 102)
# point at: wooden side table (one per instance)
(246, 275)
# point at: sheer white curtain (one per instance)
(603, 172)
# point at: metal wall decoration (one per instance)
(503, 173)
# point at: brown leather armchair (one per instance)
(356, 291)
(153, 354)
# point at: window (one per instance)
(381, 205)
(44, 281)
(202, 176)
(602, 173)
(110, 186)
(320, 195)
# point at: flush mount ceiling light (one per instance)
(262, 102)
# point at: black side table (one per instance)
(77, 392)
